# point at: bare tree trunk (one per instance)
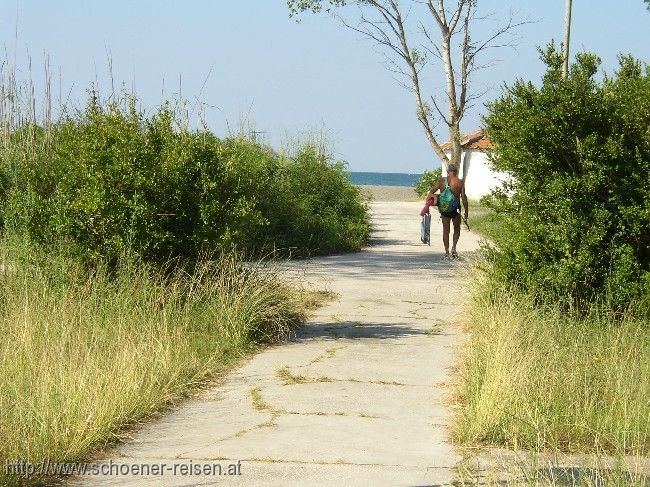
(406, 54)
(387, 28)
(452, 104)
(454, 110)
(567, 35)
(423, 118)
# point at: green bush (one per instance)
(110, 179)
(314, 208)
(428, 179)
(578, 205)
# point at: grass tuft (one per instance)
(534, 378)
(288, 378)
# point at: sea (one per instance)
(383, 178)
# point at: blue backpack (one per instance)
(447, 201)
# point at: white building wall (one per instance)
(479, 178)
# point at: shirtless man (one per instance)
(457, 187)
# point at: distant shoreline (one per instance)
(383, 178)
(389, 193)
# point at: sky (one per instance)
(251, 66)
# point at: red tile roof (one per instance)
(474, 140)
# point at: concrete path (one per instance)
(358, 398)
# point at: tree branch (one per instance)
(385, 24)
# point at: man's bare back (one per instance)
(456, 184)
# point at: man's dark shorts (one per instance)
(450, 214)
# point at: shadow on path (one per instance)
(358, 330)
(384, 264)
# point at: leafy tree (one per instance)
(578, 203)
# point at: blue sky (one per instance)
(281, 77)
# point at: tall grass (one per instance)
(487, 223)
(85, 353)
(534, 378)
(534, 469)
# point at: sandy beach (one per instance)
(390, 193)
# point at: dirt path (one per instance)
(355, 399)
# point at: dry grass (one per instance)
(500, 468)
(84, 355)
(534, 379)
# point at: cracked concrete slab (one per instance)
(295, 474)
(339, 439)
(357, 398)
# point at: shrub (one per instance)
(579, 201)
(314, 208)
(110, 180)
(428, 179)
